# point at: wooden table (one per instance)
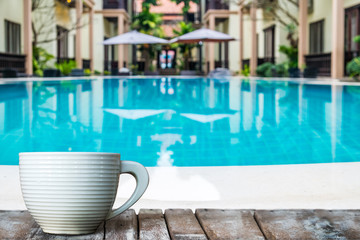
(152, 224)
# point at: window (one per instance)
(62, 42)
(269, 41)
(12, 37)
(317, 37)
(352, 28)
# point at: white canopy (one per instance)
(203, 35)
(134, 37)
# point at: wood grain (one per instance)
(152, 225)
(15, 224)
(309, 224)
(123, 226)
(229, 224)
(182, 224)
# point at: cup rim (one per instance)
(68, 153)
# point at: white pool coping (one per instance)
(306, 186)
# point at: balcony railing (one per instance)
(14, 61)
(259, 61)
(216, 5)
(115, 4)
(320, 61)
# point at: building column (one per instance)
(28, 38)
(78, 56)
(91, 38)
(126, 47)
(206, 48)
(241, 35)
(120, 47)
(253, 58)
(338, 31)
(211, 45)
(303, 5)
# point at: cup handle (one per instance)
(141, 175)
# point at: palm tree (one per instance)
(148, 23)
(186, 6)
(185, 49)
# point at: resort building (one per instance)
(67, 29)
(320, 25)
(74, 29)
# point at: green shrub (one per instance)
(264, 70)
(96, 72)
(87, 72)
(292, 55)
(281, 69)
(246, 70)
(66, 67)
(106, 72)
(271, 70)
(353, 68)
(41, 60)
(357, 39)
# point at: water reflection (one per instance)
(183, 122)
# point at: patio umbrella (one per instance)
(134, 37)
(203, 35)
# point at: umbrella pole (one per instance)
(200, 57)
(134, 59)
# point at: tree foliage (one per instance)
(185, 49)
(357, 39)
(148, 23)
(41, 59)
(281, 11)
(44, 20)
(186, 6)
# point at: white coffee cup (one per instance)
(73, 192)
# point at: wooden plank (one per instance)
(229, 224)
(284, 224)
(15, 224)
(152, 225)
(309, 224)
(123, 226)
(340, 224)
(37, 233)
(182, 224)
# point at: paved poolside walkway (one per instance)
(204, 224)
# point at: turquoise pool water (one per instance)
(183, 122)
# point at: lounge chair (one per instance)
(220, 72)
(310, 72)
(294, 72)
(76, 72)
(52, 72)
(188, 73)
(10, 73)
(151, 73)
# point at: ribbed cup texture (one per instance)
(69, 193)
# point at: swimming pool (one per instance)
(183, 121)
